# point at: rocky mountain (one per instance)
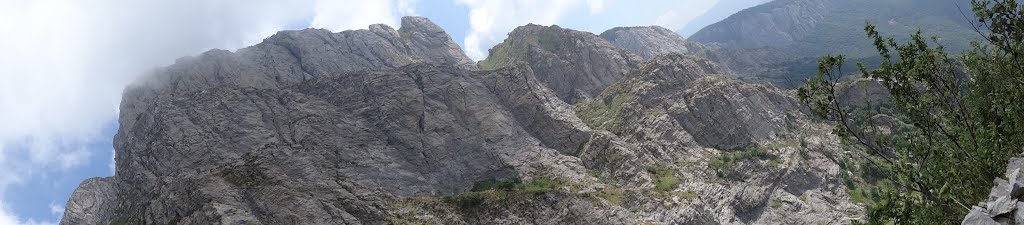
(575, 65)
(819, 27)
(385, 126)
(648, 42)
(783, 68)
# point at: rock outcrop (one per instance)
(91, 203)
(384, 126)
(575, 65)
(1005, 203)
(648, 42)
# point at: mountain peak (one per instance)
(650, 41)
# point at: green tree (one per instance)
(964, 116)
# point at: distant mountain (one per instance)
(718, 12)
(819, 27)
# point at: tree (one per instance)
(964, 116)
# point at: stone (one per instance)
(1018, 215)
(978, 216)
(1002, 188)
(1002, 205)
(1016, 184)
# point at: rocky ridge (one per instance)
(575, 65)
(384, 126)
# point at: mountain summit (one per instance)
(385, 126)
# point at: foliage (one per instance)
(508, 52)
(726, 162)
(963, 113)
(665, 178)
(496, 184)
(497, 190)
(613, 195)
(118, 221)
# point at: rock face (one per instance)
(648, 42)
(575, 65)
(384, 126)
(1004, 203)
(91, 203)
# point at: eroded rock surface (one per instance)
(384, 126)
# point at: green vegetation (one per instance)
(725, 164)
(496, 184)
(604, 114)
(506, 53)
(665, 179)
(963, 114)
(503, 55)
(613, 195)
(499, 190)
(776, 203)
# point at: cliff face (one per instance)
(384, 126)
(575, 65)
(648, 42)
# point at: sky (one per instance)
(64, 63)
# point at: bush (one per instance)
(665, 178)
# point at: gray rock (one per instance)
(1001, 205)
(575, 65)
(1014, 164)
(648, 42)
(978, 216)
(1018, 215)
(1001, 189)
(91, 203)
(1016, 183)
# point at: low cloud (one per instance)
(65, 62)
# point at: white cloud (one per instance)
(489, 21)
(65, 62)
(56, 209)
(596, 6)
(350, 14)
(682, 13)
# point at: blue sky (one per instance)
(64, 67)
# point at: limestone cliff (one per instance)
(385, 126)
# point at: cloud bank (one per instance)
(65, 62)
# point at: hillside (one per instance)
(819, 27)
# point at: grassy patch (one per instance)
(665, 178)
(604, 114)
(498, 190)
(776, 203)
(496, 184)
(613, 195)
